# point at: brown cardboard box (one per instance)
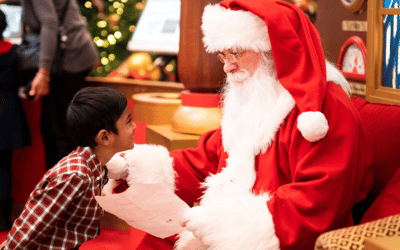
(382, 243)
(163, 135)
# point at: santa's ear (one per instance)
(103, 137)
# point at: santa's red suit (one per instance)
(300, 170)
(313, 186)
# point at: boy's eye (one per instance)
(129, 119)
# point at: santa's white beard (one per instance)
(253, 109)
(247, 101)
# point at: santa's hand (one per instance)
(146, 164)
(233, 222)
(118, 167)
(195, 221)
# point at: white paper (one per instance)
(152, 208)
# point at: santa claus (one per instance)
(290, 159)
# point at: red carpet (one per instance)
(2, 235)
(109, 239)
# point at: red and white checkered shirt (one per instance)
(61, 212)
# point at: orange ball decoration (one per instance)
(140, 63)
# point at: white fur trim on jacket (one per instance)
(233, 29)
(334, 75)
(147, 164)
(233, 222)
(312, 125)
(243, 145)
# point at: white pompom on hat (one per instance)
(263, 25)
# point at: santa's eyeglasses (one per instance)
(231, 57)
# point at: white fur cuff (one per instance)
(117, 167)
(233, 222)
(150, 164)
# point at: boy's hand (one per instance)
(3, 245)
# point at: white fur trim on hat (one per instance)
(233, 29)
(312, 125)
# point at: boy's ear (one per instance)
(103, 137)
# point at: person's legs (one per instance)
(54, 107)
(5, 189)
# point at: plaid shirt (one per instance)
(61, 212)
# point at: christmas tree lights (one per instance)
(111, 30)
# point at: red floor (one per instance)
(109, 239)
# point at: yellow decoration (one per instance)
(139, 6)
(113, 20)
(155, 74)
(118, 35)
(138, 63)
(101, 24)
(104, 61)
(170, 68)
(120, 11)
(88, 4)
(99, 43)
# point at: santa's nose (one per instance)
(230, 67)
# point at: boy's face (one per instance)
(126, 129)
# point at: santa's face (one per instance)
(242, 64)
(253, 85)
(249, 100)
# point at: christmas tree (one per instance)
(111, 24)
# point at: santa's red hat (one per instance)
(264, 25)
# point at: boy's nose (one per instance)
(230, 67)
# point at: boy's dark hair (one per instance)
(91, 110)
(3, 23)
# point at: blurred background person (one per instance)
(58, 77)
(14, 130)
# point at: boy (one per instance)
(62, 213)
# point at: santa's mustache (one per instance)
(266, 64)
(239, 76)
